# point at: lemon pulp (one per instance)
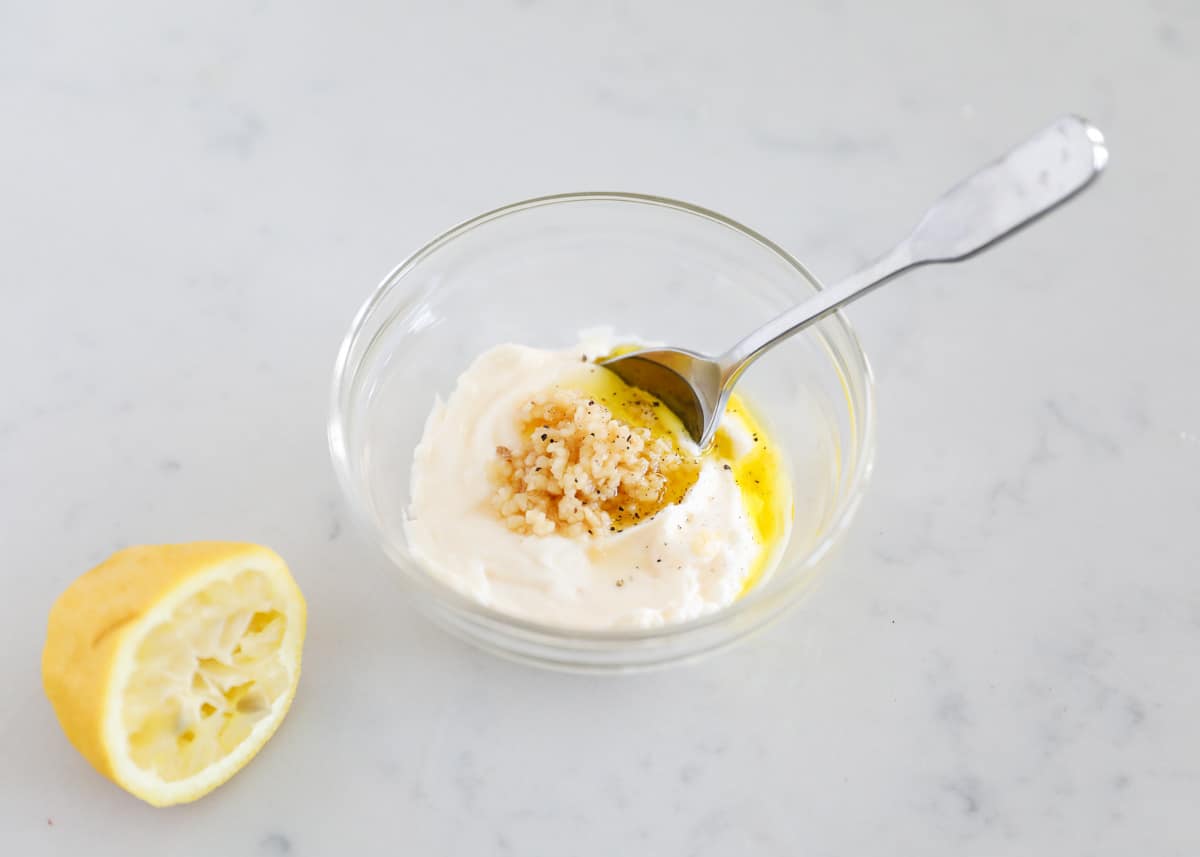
(204, 677)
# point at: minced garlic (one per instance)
(581, 471)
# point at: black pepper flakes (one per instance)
(544, 436)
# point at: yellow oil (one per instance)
(761, 477)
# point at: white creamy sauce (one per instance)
(688, 560)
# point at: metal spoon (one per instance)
(1048, 169)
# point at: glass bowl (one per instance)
(538, 273)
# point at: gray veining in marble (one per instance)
(194, 198)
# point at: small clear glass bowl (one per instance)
(538, 273)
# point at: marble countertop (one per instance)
(194, 199)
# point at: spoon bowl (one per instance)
(688, 383)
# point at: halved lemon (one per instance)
(169, 666)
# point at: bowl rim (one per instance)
(862, 421)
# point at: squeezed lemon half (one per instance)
(170, 666)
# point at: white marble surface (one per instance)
(194, 198)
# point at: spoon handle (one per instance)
(1041, 173)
